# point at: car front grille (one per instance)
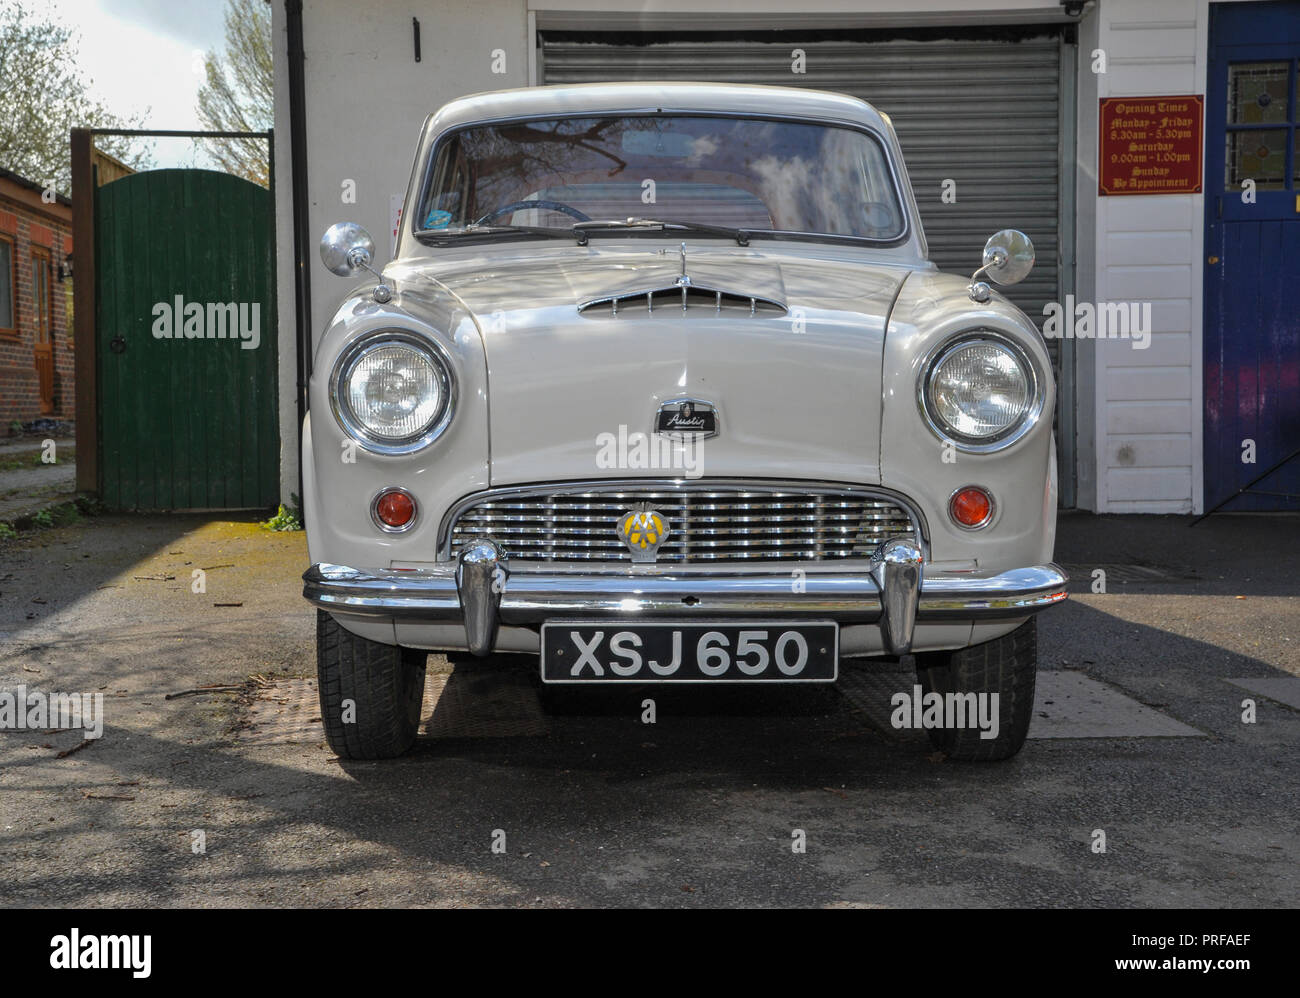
(705, 523)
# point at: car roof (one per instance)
(655, 97)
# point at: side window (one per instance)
(8, 320)
(449, 180)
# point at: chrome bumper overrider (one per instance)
(481, 591)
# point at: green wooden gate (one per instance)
(185, 342)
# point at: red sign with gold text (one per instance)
(1150, 145)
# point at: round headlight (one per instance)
(393, 392)
(981, 392)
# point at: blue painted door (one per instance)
(1252, 256)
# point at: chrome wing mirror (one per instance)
(347, 248)
(1008, 259)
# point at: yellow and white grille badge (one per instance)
(642, 530)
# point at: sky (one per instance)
(145, 57)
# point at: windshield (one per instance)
(754, 174)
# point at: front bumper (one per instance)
(481, 591)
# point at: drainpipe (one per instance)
(301, 221)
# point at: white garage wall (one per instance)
(366, 99)
(721, 15)
(1148, 402)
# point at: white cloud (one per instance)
(139, 62)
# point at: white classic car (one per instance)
(662, 388)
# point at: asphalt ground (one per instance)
(34, 476)
(514, 798)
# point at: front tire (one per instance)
(1006, 666)
(370, 693)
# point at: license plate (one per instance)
(716, 652)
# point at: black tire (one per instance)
(1005, 666)
(385, 684)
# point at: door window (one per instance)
(42, 301)
(1261, 138)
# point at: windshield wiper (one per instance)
(551, 232)
(579, 230)
(740, 235)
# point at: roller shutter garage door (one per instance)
(984, 112)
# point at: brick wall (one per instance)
(26, 223)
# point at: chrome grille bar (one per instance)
(707, 521)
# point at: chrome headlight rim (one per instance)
(1005, 437)
(353, 426)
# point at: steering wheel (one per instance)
(878, 215)
(525, 205)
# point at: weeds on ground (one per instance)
(286, 517)
(56, 516)
(35, 459)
